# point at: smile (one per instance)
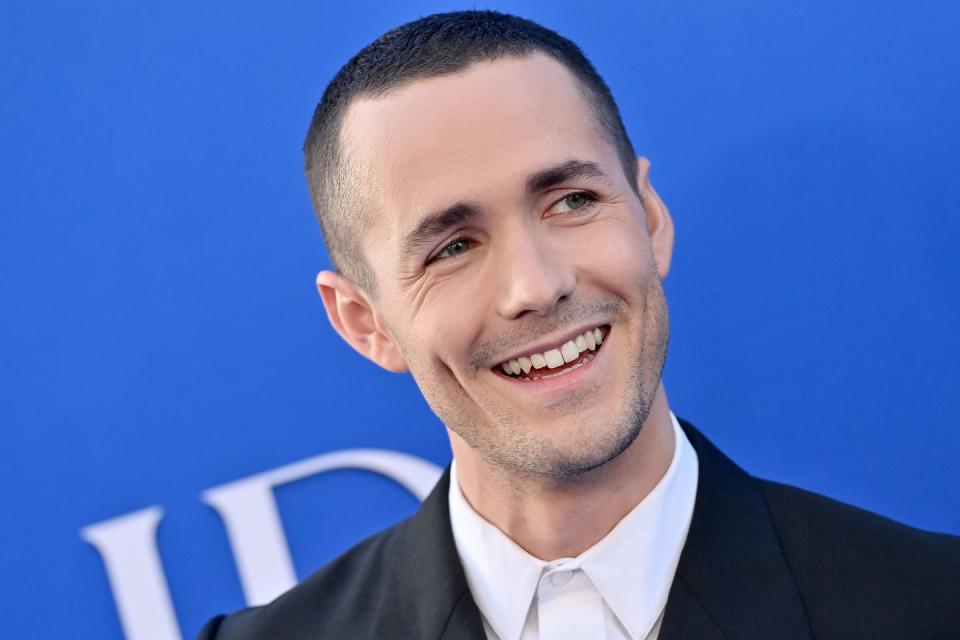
(557, 361)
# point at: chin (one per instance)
(592, 452)
(573, 445)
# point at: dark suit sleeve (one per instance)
(209, 631)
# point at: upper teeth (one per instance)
(553, 358)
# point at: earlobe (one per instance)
(659, 222)
(354, 318)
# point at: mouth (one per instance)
(555, 361)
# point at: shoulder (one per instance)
(406, 582)
(327, 604)
(854, 567)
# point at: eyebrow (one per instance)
(440, 222)
(569, 170)
(436, 224)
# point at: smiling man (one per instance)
(496, 236)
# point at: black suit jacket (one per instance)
(762, 560)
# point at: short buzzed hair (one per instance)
(437, 45)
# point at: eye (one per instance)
(452, 249)
(578, 201)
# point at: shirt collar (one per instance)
(632, 566)
(502, 576)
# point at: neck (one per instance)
(552, 518)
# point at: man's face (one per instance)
(504, 228)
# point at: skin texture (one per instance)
(523, 267)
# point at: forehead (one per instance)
(475, 135)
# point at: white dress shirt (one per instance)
(616, 589)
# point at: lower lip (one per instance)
(561, 382)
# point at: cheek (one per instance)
(436, 367)
(619, 252)
(442, 338)
(452, 314)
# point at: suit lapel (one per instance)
(465, 621)
(733, 580)
(430, 597)
(685, 617)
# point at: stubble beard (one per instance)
(506, 444)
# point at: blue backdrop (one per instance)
(161, 334)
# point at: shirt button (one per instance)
(560, 578)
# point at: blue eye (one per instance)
(577, 201)
(452, 249)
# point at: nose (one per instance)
(533, 276)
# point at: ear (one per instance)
(659, 222)
(357, 322)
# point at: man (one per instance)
(496, 236)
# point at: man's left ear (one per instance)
(659, 222)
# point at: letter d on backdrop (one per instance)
(248, 508)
